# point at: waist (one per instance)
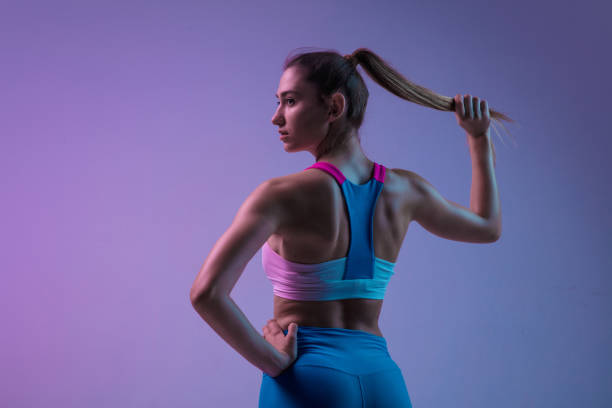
(371, 330)
(351, 314)
(332, 333)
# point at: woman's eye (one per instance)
(289, 99)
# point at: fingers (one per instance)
(292, 329)
(470, 107)
(460, 109)
(476, 110)
(472, 104)
(485, 109)
(272, 327)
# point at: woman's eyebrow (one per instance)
(287, 92)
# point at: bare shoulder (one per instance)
(297, 199)
(410, 186)
(292, 190)
(397, 178)
(415, 184)
(293, 183)
(408, 177)
(272, 197)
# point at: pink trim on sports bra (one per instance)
(379, 172)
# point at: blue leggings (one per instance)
(337, 368)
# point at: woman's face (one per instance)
(299, 112)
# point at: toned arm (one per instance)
(448, 219)
(257, 219)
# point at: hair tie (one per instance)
(352, 60)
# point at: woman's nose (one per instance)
(276, 119)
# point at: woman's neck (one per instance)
(349, 158)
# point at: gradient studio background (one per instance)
(131, 132)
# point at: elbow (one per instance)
(199, 296)
(495, 235)
(495, 230)
(194, 297)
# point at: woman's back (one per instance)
(317, 229)
(331, 238)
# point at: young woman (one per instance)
(330, 236)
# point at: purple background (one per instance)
(132, 132)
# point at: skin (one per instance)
(287, 212)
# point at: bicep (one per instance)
(448, 219)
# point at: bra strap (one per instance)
(379, 171)
(331, 169)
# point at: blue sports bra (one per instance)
(360, 274)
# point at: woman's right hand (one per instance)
(285, 345)
(472, 115)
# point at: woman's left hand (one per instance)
(472, 115)
(286, 345)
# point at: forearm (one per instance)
(484, 196)
(226, 318)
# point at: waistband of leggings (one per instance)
(338, 331)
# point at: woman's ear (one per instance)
(338, 103)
